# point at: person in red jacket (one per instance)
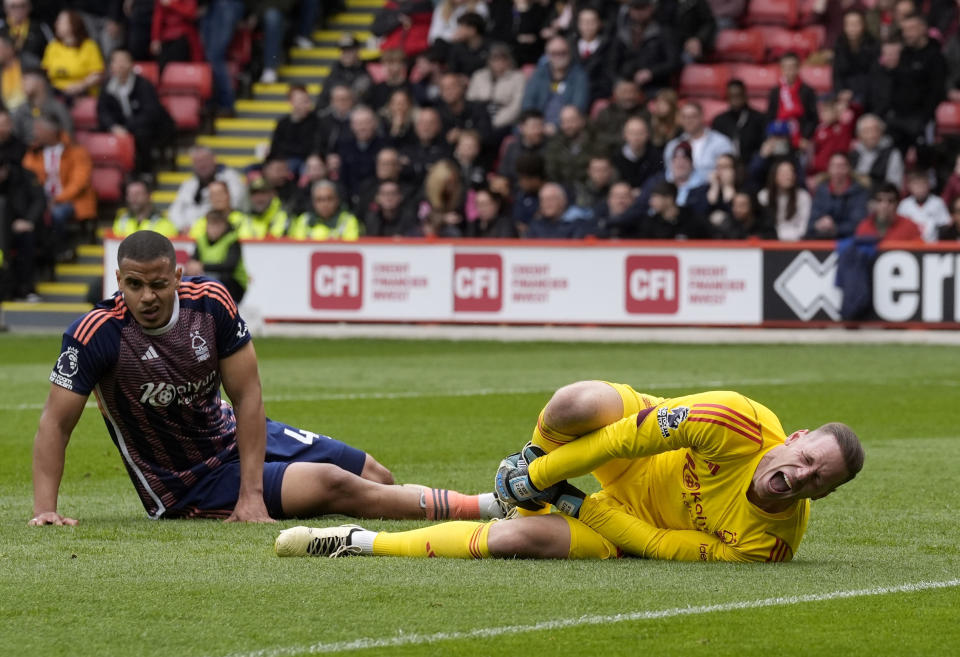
(404, 24)
(834, 133)
(173, 32)
(885, 223)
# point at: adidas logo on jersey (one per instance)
(150, 354)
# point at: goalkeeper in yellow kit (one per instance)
(710, 476)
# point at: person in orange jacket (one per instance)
(65, 170)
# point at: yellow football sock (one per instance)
(457, 540)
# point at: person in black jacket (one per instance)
(745, 126)
(491, 220)
(348, 70)
(694, 24)
(669, 221)
(591, 48)
(390, 215)
(129, 104)
(295, 136)
(470, 48)
(22, 204)
(644, 50)
(430, 147)
(920, 84)
(853, 56)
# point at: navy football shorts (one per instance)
(218, 491)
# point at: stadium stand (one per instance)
(748, 50)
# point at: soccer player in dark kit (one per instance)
(155, 355)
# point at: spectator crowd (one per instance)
(494, 119)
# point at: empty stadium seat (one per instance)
(758, 78)
(185, 111)
(704, 80)
(179, 78)
(739, 46)
(108, 184)
(109, 150)
(84, 113)
(948, 118)
(772, 12)
(820, 77)
(148, 71)
(780, 40)
(805, 14)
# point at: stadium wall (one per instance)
(753, 283)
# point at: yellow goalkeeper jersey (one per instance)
(675, 477)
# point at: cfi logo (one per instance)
(69, 362)
(199, 346)
(669, 419)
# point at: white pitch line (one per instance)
(479, 392)
(564, 623)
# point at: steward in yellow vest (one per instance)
(327, 220)
(218, 254)
(139, 214)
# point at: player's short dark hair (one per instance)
(850, 447)
(146, 246)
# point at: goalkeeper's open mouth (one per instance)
(778, 483)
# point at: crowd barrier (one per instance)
(625, 283)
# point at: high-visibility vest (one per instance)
(272, 221)
(308, 226)
(216, 253)
(125, 223)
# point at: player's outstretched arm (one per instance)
(241, 380)
(60, 415)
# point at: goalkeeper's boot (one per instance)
(317, 542)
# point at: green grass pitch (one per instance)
(444, 413)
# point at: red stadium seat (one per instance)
(772, 12)
(109, 150)
(819, 77)
(598, 106)
(185, 111)
(948, 118)
(739, 46)
(705, 80)
(805, 15)
(187, 78)
(108, 184)
(758, 78)
(780, 40)
(84, 113)
(149, 71)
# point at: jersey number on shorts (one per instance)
(305, 437)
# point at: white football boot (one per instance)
(317, 542)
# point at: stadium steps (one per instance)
(63, 299)
(241, 141)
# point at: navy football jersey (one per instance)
(159, 389)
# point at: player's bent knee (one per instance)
(373, 471)
(584, 404)
(540, 537)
